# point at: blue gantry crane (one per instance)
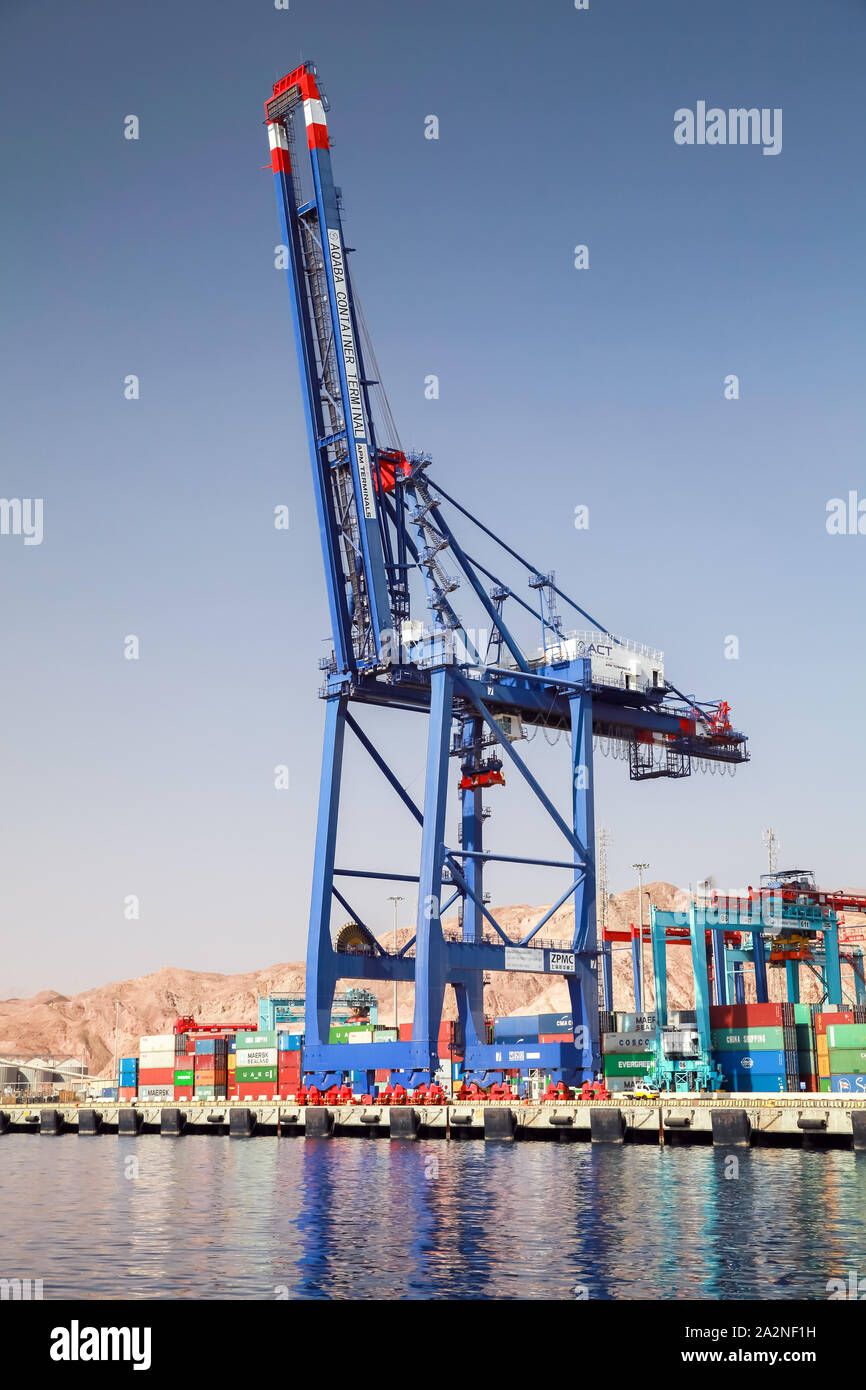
(393, 566)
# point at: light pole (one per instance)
(640, 868)
(395, 899)
(116, 1014)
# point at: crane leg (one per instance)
(321, 957)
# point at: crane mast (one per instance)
(389, 537)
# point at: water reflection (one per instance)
(211, 1217)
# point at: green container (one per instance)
(247, 1040)
(210, 1093)
(183, 1078)
(747, 1040)
(846, 1035)
(338, 1034)
(824, 1083)
(255, 1074)
(847, 1061)
(632, 1064)
(803, 1013)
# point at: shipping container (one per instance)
(167, 1058)
(245, 1041)
(629, 1042)
(243, 1075)
(515, 1029)
(290, 1042)
(556, 1037)
(747, 1039)
(183, 1078)
(183, 1093)
(256, 1057)
(129, 1063)
(853, 1084)
(182, 1042)
(824, 1020)
(846, 1061)
(156, 1093)
(127, 1092)
(755, 1081)
(157, 1042)
(156, 1076)
(763, 1063)
(846, 1035)
(215, 1047)
(824, 1084)
(256, 1090)
(620, 1064)
(747, 1015)
(210, 1092)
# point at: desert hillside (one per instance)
(82, 1025)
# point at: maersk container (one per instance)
(156, 1093)
(256, 1057)
(849, 1085)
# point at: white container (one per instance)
(157, 1042)
(149, 1061)
(152, 1093)
(256, 1057)
(362, 1035)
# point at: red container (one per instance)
(127, 1093)
(825, 1021)
(183, 1092)
(156, 1076)
(555, 1037)
(383, 1077)
(745, 1015)
(404, 1032)
(252, 1090)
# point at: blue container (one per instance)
(208, 1047)
(290, 1042)
(745, 1063)
(849, 1084)
(109, 1093)
(555, 1023)
(756, 1081)
(233, 1047)
(127, 1062)
(523, 1027)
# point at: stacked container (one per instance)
(846, 1057)
(128, 1078)
(156, 1067)
(290, 1060)
(211, 1068)
(256, 1065)
(627, 1056)
(755, 1046)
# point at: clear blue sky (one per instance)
(558, 387)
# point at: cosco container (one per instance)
(628, 1042)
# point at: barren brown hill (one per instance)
(54, 1025)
